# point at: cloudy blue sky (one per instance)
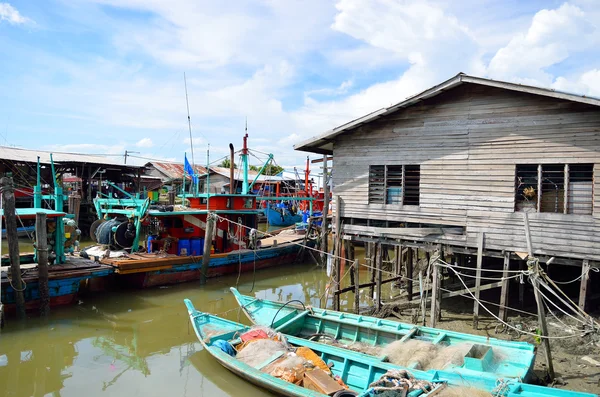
(103, 76)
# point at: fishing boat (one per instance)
(484, 357)
(282, 214)
(361, 373)
(21, 231)
(174, 236)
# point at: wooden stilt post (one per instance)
(372, 268)
(380, 255)
(349, 260)
(435, 292)
(356, 287)
(503, 314)
(409, 273)
(542, 323)
(210, 226)
(397, 260)
(478, 279)
(41, 249)
(585, 281)
(8, 202)
(324, 226)
(337, 251)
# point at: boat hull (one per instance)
(513, 360)
(246, 261)
(63, 291)
(276, 218)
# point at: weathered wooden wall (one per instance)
(468, 141)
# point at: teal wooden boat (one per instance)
(357, 370)
(488, 357)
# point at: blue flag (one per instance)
(189, 170)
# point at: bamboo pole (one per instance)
(41, 249)
(435, 294)
(8, 198)
(210, 226)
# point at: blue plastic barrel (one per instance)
(197, 246)
(305, 216)
(183, 249)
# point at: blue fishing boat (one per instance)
(21, 231)
(281, 214)
(483, 357)
(362, 374)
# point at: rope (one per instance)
(594, 269)
(509, 325)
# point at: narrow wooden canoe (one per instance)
(356, 369)
(492, 358)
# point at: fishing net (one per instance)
(257, 351)
(425, 355)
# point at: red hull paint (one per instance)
(153, 279)
(10, 308)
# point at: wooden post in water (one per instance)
(372, 268)
(8, 199)
(409, 273)
(542, 322)
(585, 281)
(356, 271)
(41, 248)
(435, 291)
(478, 279)
(210, 226)
(324, 227)
(337, 251)
(379, 266)
(503, 314)
(74, 204)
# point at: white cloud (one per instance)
(144, 142)
(11, 15)
(587, 83)
(552, 37)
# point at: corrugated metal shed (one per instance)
(31, 156)
(173, 171)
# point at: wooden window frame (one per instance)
(566, 183)
(385, 184)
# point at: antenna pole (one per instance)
(187, 103)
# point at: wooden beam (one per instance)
(409, 273)
(585, 281)
(380, 250)
(208, 236)
(435, 291)
(539, 187)
(325, 158)
(356, 270)
(484, 287)
(503, 314)
(395, 232)
(337, 251)
(367, 285)
(324, 227)
(542, 323)
(478, 279)
(527, 234)
(566, 190)
(10, 216)
(41, 249)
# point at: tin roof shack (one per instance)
(86, 175)
(464, 161)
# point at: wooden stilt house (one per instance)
(460, 164)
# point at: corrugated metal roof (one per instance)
(174, 170)
(323, 143)
(31, 156)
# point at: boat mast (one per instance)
(187, 103)
(245, 161)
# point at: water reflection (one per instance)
(140, 342)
